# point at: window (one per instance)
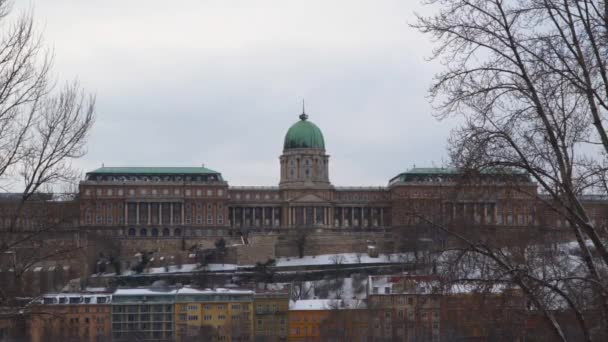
(192, 318)
(209, 192)
(131, 232)
(166, 232)
(220, 219)
(209, 219)
(143, 232)
(220, 192)
(154, 232)
(207, 317)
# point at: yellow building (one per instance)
(70, 317)
(214, 315)
(271, 316)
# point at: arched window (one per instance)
(154, 231)
(143, 232)
(131, 231)
(177, 232)
(165, 231)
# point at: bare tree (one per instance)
(43, 129)
(301, 239)
(530, 80)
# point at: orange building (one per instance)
(308, 319)
(70, 317)
(422, 307)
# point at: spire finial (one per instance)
(303, 116)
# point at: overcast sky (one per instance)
(182, 83)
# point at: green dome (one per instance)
(304, 134)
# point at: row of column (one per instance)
(134, 217)
(489, 213)
(307, 216)
(255, 216)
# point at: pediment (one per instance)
(308, 198)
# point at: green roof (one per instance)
(419, 173)
(304, 134)
(434, 170)
(155, 170)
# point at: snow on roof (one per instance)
(74, 298)
(326, 304)
(148, 291)
(344, 258)
(403, 284)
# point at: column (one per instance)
(126, 213)
(272, 215)
(361, 223)
(234, 216)
(342, 214)
(263, 216)
(242, 216)
(352, 216)
(149, 213)
(381, 223)
(253, 210)
(314, 216)
(160, 213)
(183, 213)
(171, 213)
(137, 213)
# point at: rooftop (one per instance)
(326, 304)
(154, 170)
(438, 174)
(151, 291)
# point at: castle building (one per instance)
(166, 202)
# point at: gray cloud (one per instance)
(220, 82)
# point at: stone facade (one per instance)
(173, 209)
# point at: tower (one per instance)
(304, 163)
